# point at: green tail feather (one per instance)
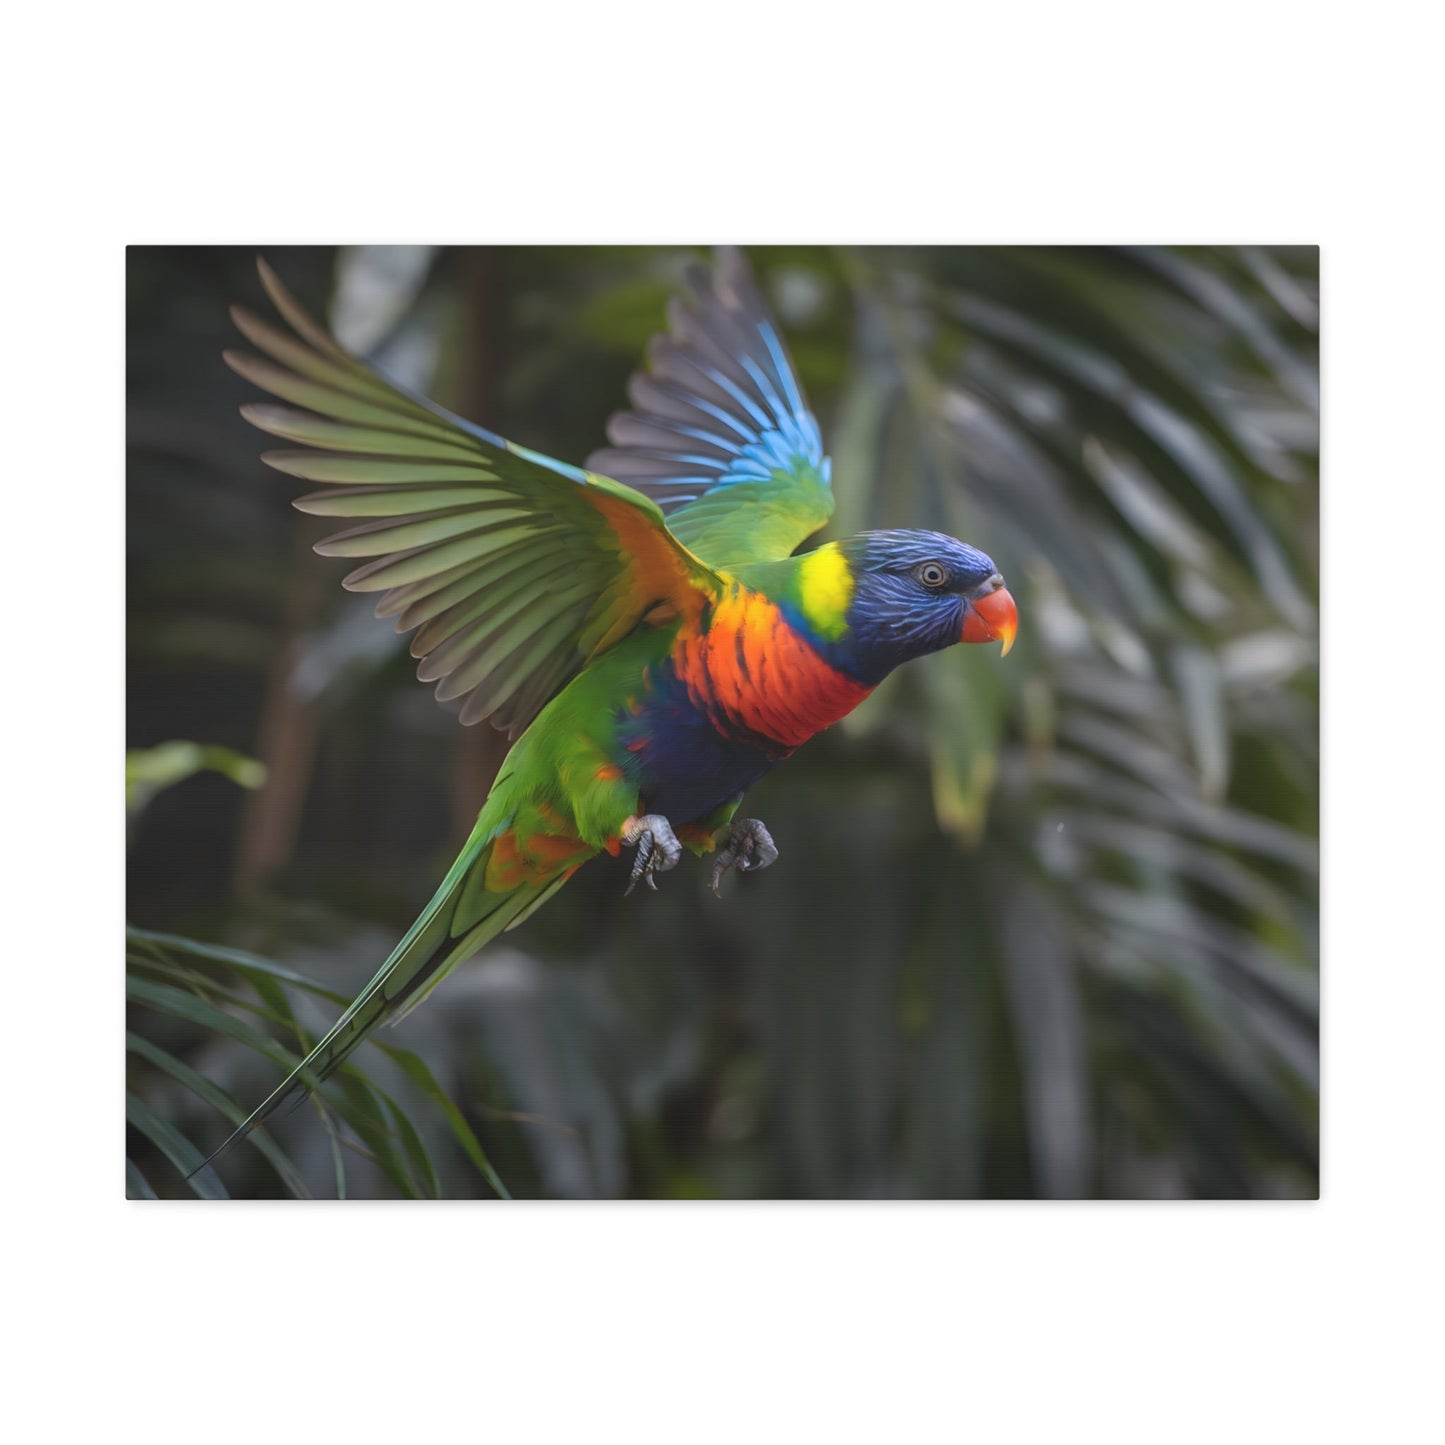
(461, 917)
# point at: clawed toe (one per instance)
(745, 845)
(657, 848)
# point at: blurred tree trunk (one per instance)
(287, 733)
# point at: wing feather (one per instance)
(516, 568)
(720, 436)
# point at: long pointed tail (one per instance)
(462, 916)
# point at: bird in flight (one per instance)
(639, 627)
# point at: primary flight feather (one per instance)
(639, 626)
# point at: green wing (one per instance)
(719, 435)
(515, 569)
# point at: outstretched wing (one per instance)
(515, 568)
(720, 436)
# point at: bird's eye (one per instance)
(932, 575)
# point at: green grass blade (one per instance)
(362, 1110)
(180, 1004)
(137, 1186)
(424, 1169)
(176, 1147)
(223, 1103)
(417, 1071)
(247, 963)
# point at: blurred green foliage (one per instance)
(149, 771)
(182, 988)
(1043, 926)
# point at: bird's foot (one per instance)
(745, 845)
(656, 844)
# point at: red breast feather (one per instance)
(747, 666)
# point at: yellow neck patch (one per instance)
(825, 588)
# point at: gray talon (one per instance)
(657, 848)
(745, 845)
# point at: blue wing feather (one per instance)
(721, 377)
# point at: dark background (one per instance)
(1043, 926)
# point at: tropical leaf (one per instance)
(208, 993)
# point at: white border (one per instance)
(910, 122)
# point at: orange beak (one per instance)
(991, 617)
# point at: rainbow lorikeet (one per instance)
(639, 626)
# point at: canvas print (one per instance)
(717, 722)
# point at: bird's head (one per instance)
(882, 598)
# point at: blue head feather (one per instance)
(893, 616)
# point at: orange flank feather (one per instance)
(534, 859)
(548, 814)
